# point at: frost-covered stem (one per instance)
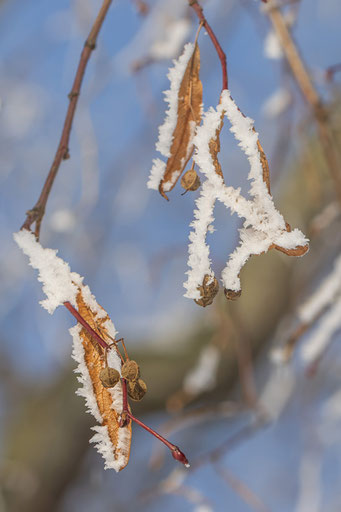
(36, 214)
(302, 77)
(175, 450)
(222, 57)
(86, 326)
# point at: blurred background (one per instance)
(261, 434)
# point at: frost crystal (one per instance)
(61, 285)
(263, 225)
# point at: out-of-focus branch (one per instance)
(36, 214)
(240, 488)
(302, 77)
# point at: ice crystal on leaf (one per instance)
(61, 285)
(263, 228)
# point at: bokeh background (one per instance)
(131, 246)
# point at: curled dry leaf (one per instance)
(214, 147)
(109, 401)
(188, 117)
(265, 165)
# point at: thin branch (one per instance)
(332, 70)
(302, 77)
(222, 57)
(232, 442)
(177, 454)
(86, 326)
(36, 214)
(240, 488)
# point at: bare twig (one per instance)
(302, 77)
(332, 70)
(36, 214)
(240, 488)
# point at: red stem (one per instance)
(176, 452)
(86, 326)
(222, 57)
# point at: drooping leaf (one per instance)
(108, 400)
(188, 117)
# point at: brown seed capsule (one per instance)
(231, 294)
(109, 377)
(130, 370)
(190, 180)
(137, 389)
(208, 290)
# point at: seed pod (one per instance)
(208, 290)
(130, 370)
(231, 294)
(190, 180)
(137, 389)
(109, 377)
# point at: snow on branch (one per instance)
(326, 297)
(61, 285)
(264, 227)
(323, 296)
(321, 315)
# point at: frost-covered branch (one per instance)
(105, 382)
(264, 227)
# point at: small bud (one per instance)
(231, 294)
(190, 180)
(137, 389)
(130, 370)
(109, 377)
(208, 290)
(181, 457)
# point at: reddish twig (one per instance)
(332, 70)
(177, 454)
(36, 214)
(86, 326)
(222, 57)
(126, 413)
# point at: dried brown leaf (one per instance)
(214, 146)
(265, 166)
(189, 112)
(94, 360)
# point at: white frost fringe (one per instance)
(61, 285)
(165, 140)
(263, 225)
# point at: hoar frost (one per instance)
(61, 285)
(263, 225)
(163, 145)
